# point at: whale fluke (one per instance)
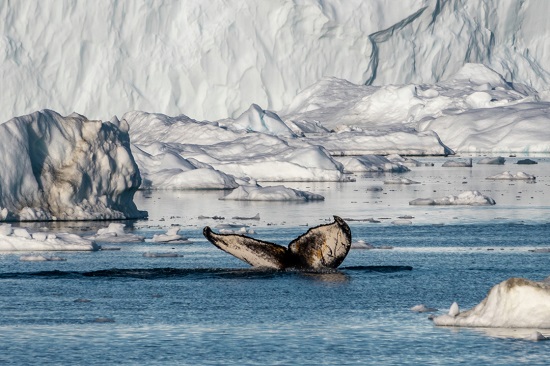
(321, 247)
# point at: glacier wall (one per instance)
(213, 59)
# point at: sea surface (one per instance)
(201, 306)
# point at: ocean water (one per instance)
(205, 307)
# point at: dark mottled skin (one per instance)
(321, 247)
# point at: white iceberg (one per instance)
(514, 303)
(115, 233)
(273, 193)
(240, 154)
(472, 198)
(66, 168)
(512, 176)
(20, 239)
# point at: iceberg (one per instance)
(225, 62)
(472, 198)
(66, 168)
(514, 303)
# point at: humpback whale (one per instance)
(321, 247)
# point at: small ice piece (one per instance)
(21, 233)
(171, 236)
(526, 162)
(114, 233)
(421, 308)
(400, 181)
(472, 198)
(458, 164)
(361, 244)
(103, 320)
(511, 176)
(492, 161)
(256, 217)
(40, 236)
(5, 229)
(454, 310)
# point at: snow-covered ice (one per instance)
(226, 62)
(514, 303)
(20, 239)
(115, 233)
(512, 176)
(171, 237)
(472, 198)
(421, 308)
(371, 163)
(405, 181)
(272, 193)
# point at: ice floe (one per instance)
(171, 237)
(19, 239)
(514, 303)
(512, 176)
(272, 193)
(115, 233)
(472, 198)
(405, 181)
(499, 160)
(371, 163)
(41, 258)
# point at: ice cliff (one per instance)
(214, 59)
(66, 168)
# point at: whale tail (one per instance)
(321, 247)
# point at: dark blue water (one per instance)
(208, 308)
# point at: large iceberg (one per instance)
(214, 59)
(514, 303)
(66, 168)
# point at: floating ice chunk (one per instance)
(405, 181)
(454, 310)
(5, 229)
(171, 237)
(473, 198)
(242, 230)
(114, 233)
(511, 176)
(492, 161)
(361, 244)
(256, 217)
(526, 162)
(22, 233)
(51, 242)
(458, 164)
(421, 308)
(514, 303)
(273, 193)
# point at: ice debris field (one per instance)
(304, 93)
